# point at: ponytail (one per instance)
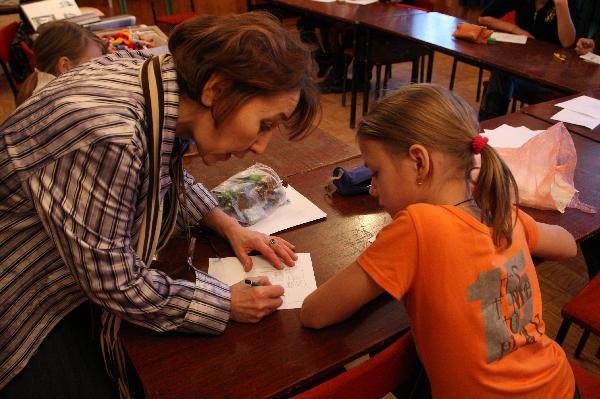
(494, 192)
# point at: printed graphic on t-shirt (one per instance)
(506, 307)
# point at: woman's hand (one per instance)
(250, 304)
(584, 46)
(274, 249)
(243, 241)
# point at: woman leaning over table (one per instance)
(77, 186)
(554, 21)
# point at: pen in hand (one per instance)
(252, 283)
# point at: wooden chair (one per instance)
(387, 50)
(170, 18)
(374, 378)
(583, 310)
(7, 34)
(587, 383)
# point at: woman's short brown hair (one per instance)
(255, 54)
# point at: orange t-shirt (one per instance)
(475, 312)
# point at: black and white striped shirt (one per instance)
(73, 187)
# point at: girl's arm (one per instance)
(566, 29)
(554, 243)
(339, 297)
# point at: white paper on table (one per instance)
(591, 57)
(297, 281)
(576, 118)
(298, 210)
(507, 136)
(584, 105)
(509, 38)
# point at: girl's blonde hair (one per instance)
(440, 121)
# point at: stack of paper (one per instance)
(297, 281)
(583, 111)
(506, 136)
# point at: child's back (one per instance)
(457, 251)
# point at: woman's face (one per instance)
(247, 129)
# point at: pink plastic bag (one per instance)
(544, 168)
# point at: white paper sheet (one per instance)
(297, 281)
(591, 57)
(506, 136)
(509, 38)
(576, 118)
(297, 211)
(583, 104)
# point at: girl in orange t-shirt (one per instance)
(457, 251)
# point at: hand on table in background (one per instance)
(275, 249)
(518, 31)
(584, 46)
(249, 304)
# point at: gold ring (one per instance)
(272, 242)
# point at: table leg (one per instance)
(354, 70)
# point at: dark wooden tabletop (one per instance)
(347, 12)
(587, 179)
(534, 60)
(284, 156)
(277, 356)
(546, 110)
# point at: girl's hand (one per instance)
(584, 46)
(251, 304)
(274, 249)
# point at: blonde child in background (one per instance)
(59, 47)
(458, 252)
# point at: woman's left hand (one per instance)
(275, 249)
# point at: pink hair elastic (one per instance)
(477, 143)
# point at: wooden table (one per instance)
(545, 110)
(533, 61)
(285, 157)
(277, 356)
(587, 179)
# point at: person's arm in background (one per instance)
(492, 14)
(566, 28)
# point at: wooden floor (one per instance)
(559, 281)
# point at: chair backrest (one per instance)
(7, 34)
(373, 378)
(588, 383)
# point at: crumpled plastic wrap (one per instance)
(252, 194)
(544, 168)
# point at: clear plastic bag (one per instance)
(544, 168)
(252, 194)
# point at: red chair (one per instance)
(583, 310)
(170, 18)
(374, 378)
(587, 383)
(7, 34)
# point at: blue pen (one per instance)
(252, 283)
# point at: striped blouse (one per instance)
(73, 187)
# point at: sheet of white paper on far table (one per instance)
(509, 38)
(582, 110)
(297, 281)
(506, 136)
